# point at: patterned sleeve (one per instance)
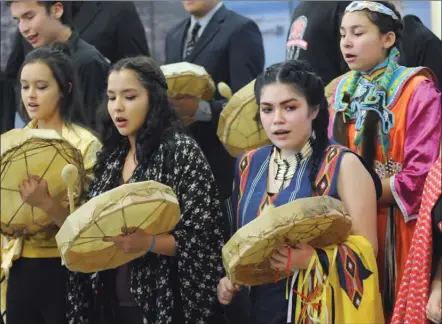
(421, 147)
(198, 236)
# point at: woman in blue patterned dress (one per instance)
(303, 162)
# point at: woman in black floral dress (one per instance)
(176, 281)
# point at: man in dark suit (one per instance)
(230, 48)
(113, 27)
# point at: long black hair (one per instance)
(385, 24)
(161, 120)
(57, 57)
(300, 75)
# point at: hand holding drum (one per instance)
(91, 238)
(32, 161)
(187, 84)
(317, 221)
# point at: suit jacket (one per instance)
(231, 50)
(113, 27)
(419, 46)
(92, 70)
(314, 37)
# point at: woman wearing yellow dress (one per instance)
(50, 99)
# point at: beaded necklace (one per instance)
(285, 168)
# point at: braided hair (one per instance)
(300, 75)
(160, 122)
(385, 24)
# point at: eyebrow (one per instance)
(27, 13)
(281, 103)
(125, 90)
(353, 27)
(24, 80)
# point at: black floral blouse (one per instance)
(180, 289)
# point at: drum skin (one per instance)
(186, 78)
(318, 221)
(37, 152)
(238, 129)
(148, 205)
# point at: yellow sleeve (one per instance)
(90, 157)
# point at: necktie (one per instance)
(193, 39)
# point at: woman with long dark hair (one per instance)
(175, 282)
(391, 116)
(293, 111)
(50, 99)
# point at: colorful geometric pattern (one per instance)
(325, 174)
(388, 169)
(352, 274)
(244, 168)
(375, 73)
(399, 79)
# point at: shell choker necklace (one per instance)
(285, 168)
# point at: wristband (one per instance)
(152, 244)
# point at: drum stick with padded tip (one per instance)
(224, 90)
(70, 175)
